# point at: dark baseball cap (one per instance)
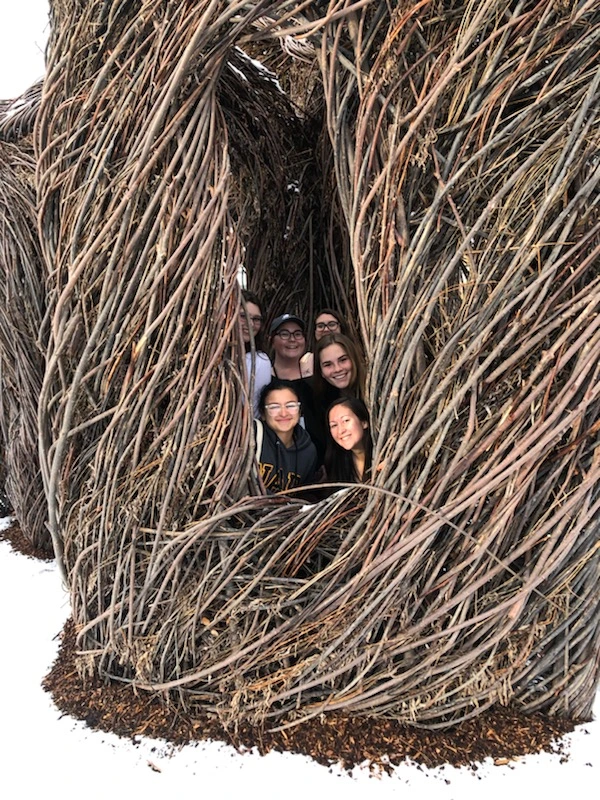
(279, 321)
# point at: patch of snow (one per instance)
(14, 108)
(237, 71)
(266, 72)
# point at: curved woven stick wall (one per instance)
(22, 308)
(465, 140)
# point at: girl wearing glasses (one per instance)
(349, 442)
(289, 344)
(288, 340)
(286, 455)
(326, 321)
(258, 363)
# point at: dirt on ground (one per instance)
(501, 734)
(20, 543)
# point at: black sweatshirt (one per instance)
(284, 467)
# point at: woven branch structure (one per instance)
(432, 169)
(22, 308)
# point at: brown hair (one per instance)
(342, 322)
(358, 384)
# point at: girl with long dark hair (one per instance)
(349, 442)
(339, 372)
(286, 455)
(339, 367)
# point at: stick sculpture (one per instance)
(454, 216)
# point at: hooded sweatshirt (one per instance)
(284, 467)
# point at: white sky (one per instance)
(46, 755)
(23, 36)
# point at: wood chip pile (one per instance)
(434, 173)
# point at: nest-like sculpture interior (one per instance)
(439, 183)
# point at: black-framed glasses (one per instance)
(327, 326)
(256, 321)
(284, 334)
(275, 408)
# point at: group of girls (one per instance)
(311, 422)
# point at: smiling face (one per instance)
(253, 319)
(346, 429)
(278, 416)
(336, 366)
(326, 323)
(288, 341)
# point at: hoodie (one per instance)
(284, 467)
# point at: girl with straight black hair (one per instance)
(349, 442)
(286, 456)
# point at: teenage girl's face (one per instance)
(291, 344)
(346, 429)
(253, 320)
(336, 366)
(324, 324)
(277, 415)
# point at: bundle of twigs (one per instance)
(17, 117)
(22, 306)
(464, 140)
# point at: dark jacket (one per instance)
(315, 416)
(284, 467)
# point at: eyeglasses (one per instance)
(327, 326)
(290, 334)
(256, 321)
(275, 408)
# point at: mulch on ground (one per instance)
(14, 536)
(502, 734)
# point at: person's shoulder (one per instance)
(307, 364)
(302, 437)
